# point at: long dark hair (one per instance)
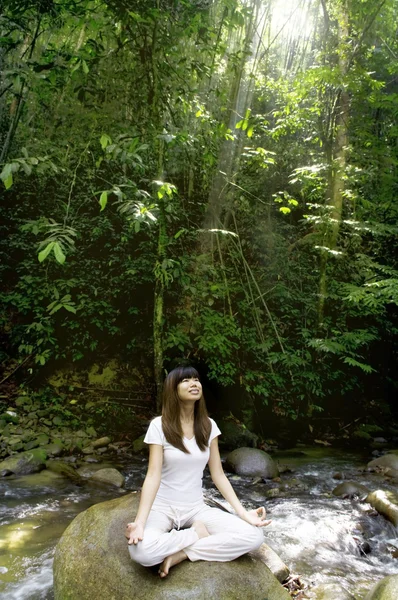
(171, 411)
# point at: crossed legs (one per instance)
(211, 534)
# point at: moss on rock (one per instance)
(386, 589)
(92, 561)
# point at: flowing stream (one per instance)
(320, 537)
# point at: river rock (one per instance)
(386, 503)
(54, 449)
(391, 473)
(109, 476)
(348, 489)
(386, 589)
(92, 561)
(86, 471)
(139, 444)
(101, 442)
(332, 591)
(387, 460)
(64, 469)
(24, 463)
(32, 444)
(236, 435)
(252, 463)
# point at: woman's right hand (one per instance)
(134, 532)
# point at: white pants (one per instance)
(229, 537)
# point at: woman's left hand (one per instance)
(256, 517)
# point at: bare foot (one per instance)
(200, 529)
(171, 561)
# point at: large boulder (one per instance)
(235, 435)
(24, 463)
(92, 561)
(251, 462)
(386, 589)
(386, 461)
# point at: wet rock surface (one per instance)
(387, 460)
(386, 589)
(350, 489)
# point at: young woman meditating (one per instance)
(173, 523)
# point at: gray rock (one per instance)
(386, 589)
(24, 463)
(387, 460)
(92, 561)
(252, 463)
(81, 434)
(86, 471)
(109, 476)
(348, 489)
(91, 459)
(54, 449)
(236, 435)
(43, 439)
(31, 444)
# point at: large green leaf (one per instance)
(103, 200)
(58, 253)
(44, 253)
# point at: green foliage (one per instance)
(116, 122)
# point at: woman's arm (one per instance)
(255, 517)
(135, 531)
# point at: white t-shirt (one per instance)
(182, 473)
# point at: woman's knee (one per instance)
(141, 554)
(256, 538)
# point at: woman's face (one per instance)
(189, 388)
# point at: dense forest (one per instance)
(209, 181)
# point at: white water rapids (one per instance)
(316, 534)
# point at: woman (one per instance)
(173, 523)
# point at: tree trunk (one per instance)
(337, 161)
(158, 311)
